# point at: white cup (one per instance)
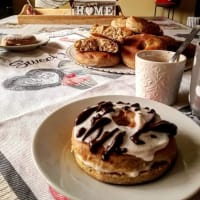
(156, 78)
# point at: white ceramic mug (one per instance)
(194, 95)
(156, 78)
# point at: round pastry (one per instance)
(123, 143)
(16, 40)
(117, 34)
(96, 58)
(119, 22)
(96, 44)
(137, 25)
(96, 52)
(139, 42)
(141, 25)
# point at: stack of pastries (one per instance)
(109, 45)
(123, 143)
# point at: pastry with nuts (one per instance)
(97, 52)
(117, 34)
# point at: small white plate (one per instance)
(53, 157)
(42, 40)
(118, 69)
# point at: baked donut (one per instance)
(17, 40)
(139, 42)
(137, 25)
(123, 143)
(96, 52)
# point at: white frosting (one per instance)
(144, 151)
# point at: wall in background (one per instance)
(17, 5)
(146, 8)
(143, 8)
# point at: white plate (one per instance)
(53, 158)
(42, 40)
(118, 69)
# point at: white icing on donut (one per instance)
(146, 151)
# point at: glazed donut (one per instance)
(139, 42)
(16, 40)
(123, 143)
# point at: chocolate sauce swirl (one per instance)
(84, 115)
(97, 125)
(115, 146)
(160, 126)
(100, 139)
(105, 107)
(101, 134)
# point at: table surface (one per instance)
(33, 84)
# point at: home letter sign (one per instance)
(94, 8)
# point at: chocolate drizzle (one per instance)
(160, 126)
(97, 125)
(136, 136)
(81, 132)
(84, 115)
(96, 135)
(100, 139)
(136, 106)
(115, 146)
